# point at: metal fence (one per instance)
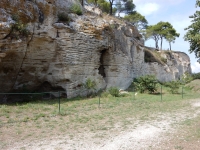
(17, 98)
(60, 97)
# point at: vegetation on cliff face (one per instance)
(137, 20)
(18, 29)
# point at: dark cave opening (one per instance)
(102, 63)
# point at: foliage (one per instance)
(160, 31)
(173, 85)
(113, 6)
(171, 37)
(152, 32)
(18, 28)
(125, 6)
(196, 76)
(137, 19)
(193, 32)
(63, 17)
(154, 56)
(114, 91)
(129, 6)
(186, 78)
(166, 31)
(145, 83)
(76, 9)
(90, 85)
(105, 94)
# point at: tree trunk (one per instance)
(82, 2)
(111, 3)
(170, 46)
(95, 2)
(161, 39)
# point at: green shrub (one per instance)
(164, 60)
(186, 78)
(123, 94)
(114, 91)
(145, 83)
(90, 85)
(196, 75)
(173, 86)
(18, 28)
(76, 9)
(63, 17)
(105, 94)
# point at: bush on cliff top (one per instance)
(76, 9)
(63, 17)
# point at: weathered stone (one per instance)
(65, 56)
(94, 10)
(2, 55)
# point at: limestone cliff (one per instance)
(63, 55)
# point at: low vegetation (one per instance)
(78, 114)
(90, 85)
(114, 91)
(76, 9)
(63, 17)
(40, 119)
(145, 84)
(154, 56)
(173, 86)
(18, 29)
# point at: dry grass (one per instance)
(40, 120)
(194, 85)
(154, 56)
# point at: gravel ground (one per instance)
(146, 135)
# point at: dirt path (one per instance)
(154, 134)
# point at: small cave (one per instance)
(47, 87)
(102, 63)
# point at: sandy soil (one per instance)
(158, 134)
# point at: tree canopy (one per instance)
(193, 32)
(137, 19)
(152, 32)
(113, 6)
(160, 31)
(125, 6)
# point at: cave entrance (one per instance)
(102, 63)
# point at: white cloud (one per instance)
(148, 8)
(195, 67)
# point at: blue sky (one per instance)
(176, 12)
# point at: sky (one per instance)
(177, 13)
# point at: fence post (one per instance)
(133, 92)
(182, 92)
(99, 101)
(161, 91)
(59, 100)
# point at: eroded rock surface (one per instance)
(66, 54)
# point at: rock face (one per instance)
(62, 55)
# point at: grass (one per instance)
(40, 119)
